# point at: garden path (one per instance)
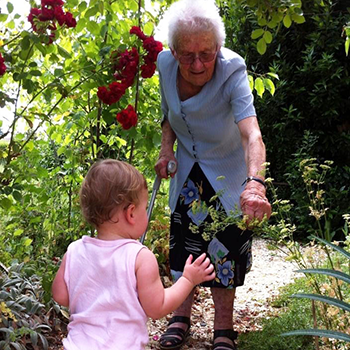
(270, 271)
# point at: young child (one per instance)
(111, 283)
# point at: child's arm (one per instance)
(157, 301)
(59, 287)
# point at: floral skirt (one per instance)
(230, 250)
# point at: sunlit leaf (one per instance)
(257, 33)
(287, 21)
(269, 85)
(259, 86)
(267, 37)
(261, 46)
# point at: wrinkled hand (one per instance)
(161, 165)
(254, 203)
(200, 270)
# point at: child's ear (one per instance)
(130, 214)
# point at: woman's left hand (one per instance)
(254, 203)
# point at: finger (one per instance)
(189, 259)
(200, 259)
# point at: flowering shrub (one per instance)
(42, 19)
(125, 66)
(2, 66)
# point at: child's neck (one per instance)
(110, 231)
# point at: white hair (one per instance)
(191, 16)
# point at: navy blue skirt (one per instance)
(230, 250)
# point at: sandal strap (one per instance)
(181, 319)
(227, 333)
(174, 331)
(224, 345)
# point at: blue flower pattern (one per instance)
(225, 273)
(190, 192)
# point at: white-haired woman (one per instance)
(208, 109)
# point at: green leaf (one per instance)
(5, 203)
(261, 46)
(274, 75)
(93, 27)
(27, 242)
(298, 19)
(324, 299)
(257, 33)
(35, 73)
(262, 22)
(287, 21)
(17, 196)
(347, 44)
(63, 52)
(9, 7)
(92, 11)
(319, 333)
(251, 82)
(272, 24)
(259, 86)
(333, 246)
(148, 28)
(270, 86)
(328, 272)
(267, 37)
(18, 232)
(3, 17)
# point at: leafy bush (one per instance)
(24, 323)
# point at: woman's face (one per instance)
(196, 45)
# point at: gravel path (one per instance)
(270, 271)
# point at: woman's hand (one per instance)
(199, 271)
(254, 203)
(161, 166)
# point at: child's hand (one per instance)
(200, 270)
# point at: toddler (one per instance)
(111, 283)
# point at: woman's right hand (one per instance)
(161, 166)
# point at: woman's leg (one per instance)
(223, 302)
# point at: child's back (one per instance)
(103, 300)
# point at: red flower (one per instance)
(34, 13)
(70, 20)
(51, 3)
(126, 68)
(153, 47)
(147, 70)
(113, 95)
(2, 66)
(138, 32)
(127, 118)
(59, 15)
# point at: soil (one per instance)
(270, 271)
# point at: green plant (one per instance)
(23, 322)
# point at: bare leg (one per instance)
(185, 309)
(223, 302)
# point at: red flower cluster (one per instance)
(126, 68)
(50, 11)
(153, 47)
(2, 66)
(127, 118)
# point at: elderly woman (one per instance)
(208, 109)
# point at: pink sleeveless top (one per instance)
(105, 310)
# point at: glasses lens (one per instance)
(203, 57)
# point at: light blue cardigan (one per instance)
(206, 125)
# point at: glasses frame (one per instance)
(195, 56)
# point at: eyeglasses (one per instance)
(190, 58)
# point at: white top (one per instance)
(105, 311)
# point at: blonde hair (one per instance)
(192, 16)
(109, 185)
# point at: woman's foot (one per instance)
(224, 339)
(176, 334)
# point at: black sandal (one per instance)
(227, 333)
(168, 336)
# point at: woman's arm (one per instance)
(253, 199)
(166, 153)
(59, 287)
(155, 299)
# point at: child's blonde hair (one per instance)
(109, 185)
